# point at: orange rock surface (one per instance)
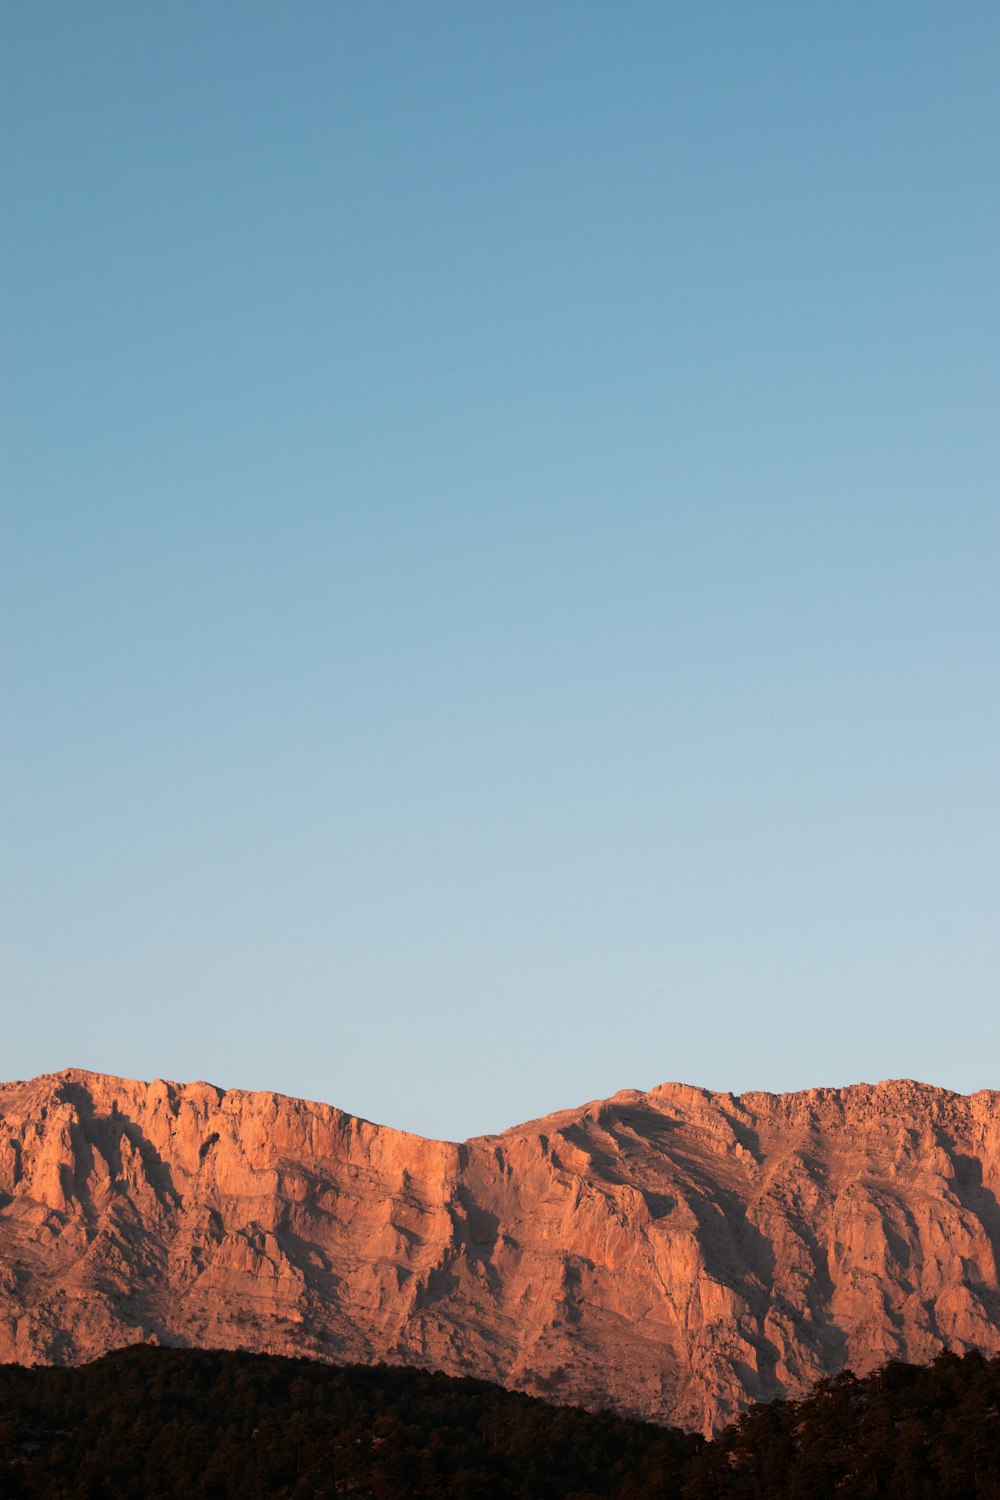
(674, 1255)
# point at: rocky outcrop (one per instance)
(674, 1255)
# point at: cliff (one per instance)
(674, 1255)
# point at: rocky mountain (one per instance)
(673, 1254)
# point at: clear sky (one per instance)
(500, 547)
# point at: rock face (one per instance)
(674, 1255)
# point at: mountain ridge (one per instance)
(675, 1254)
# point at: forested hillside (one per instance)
(212, 1425)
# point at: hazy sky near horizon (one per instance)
(499, 548)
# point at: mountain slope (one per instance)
(673, 1255)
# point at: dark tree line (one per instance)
(179, 1423)
(910, 1432)
(213, 1425)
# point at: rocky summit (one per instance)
(675, 1255)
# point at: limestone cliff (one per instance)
(674, 1254)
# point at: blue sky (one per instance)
(499, 548)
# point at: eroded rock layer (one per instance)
(674, 1255)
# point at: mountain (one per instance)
(673, 1255)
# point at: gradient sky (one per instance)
(499, 552)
